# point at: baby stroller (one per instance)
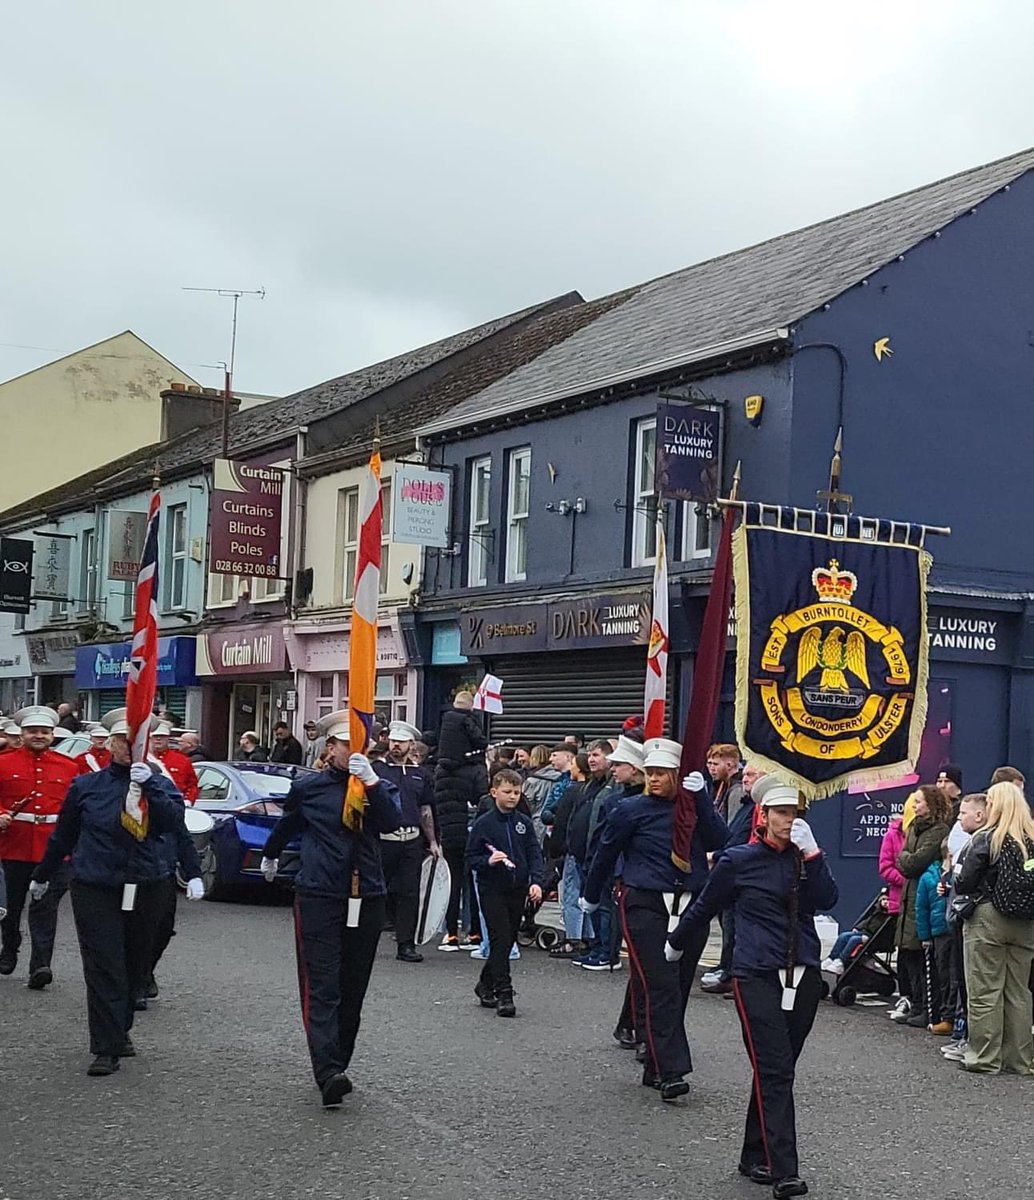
(542, 925)
(869, 969)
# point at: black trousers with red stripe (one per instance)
(774, 1039)
(658, 990)
(334, 965)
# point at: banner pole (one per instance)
(927, 530)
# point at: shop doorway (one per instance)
(250, 711)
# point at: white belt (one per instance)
(406, 834)
(37, 818)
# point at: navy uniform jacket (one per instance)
(89, 827)
(414, 787)
(514, 834)
(640, 828)
(755, 881)
(330, 852)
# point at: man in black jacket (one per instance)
(286, 747)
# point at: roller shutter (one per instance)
(172, 698)
(546, 696)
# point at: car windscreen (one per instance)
(262, 784)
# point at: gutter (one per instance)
(698, 355)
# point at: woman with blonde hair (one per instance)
(998, 873)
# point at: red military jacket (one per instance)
(181, 771)
(93, 760)
(32, 787)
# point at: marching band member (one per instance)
(640, 829)
(775, 885)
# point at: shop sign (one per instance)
(246, 513)
(327, 650)
(591, 622)
(53, 567)
(420, 502)
(52, 653)
(445, 645)
(126, 533)
(15, 574)
(688, 449)
(108, 666)
(971, 635)
(242, 650)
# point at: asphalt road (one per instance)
(452, 1102)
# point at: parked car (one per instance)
(244, 800)
(72, 744)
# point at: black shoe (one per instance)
(506, 1006)
(485, 994)
(407, 952)
(650, 1080)
(671, 1089)
(39, 979)
(335, 1090)
(793, 1186)
(140, 1004)
(128, 1049)
(759, 1173)
(917, 1021)
(625, 1038)
(8, 961)
(151, 990)
(103, 1064)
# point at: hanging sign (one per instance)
(246, 517)
(688, 448)
(126, 532)
(53, 567)
(15, 574)
(420, 506)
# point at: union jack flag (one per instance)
(142, 682)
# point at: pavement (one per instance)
(452, 1102)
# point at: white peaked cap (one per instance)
(662, 752)
(402, 731)
(768, 792)
(36, 716)
(336, 725)
(627, 751)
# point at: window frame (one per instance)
(177, 514)
(691, 525)
(644, 501)
(517, 521)
(87, 599)
(477, 542)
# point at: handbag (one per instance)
(960, 909)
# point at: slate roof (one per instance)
(736, 296)
(268, 425)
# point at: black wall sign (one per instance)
(15, 574)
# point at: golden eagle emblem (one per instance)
(834, 655)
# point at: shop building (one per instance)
(101, 671)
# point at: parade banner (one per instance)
(688, 451)
(832, 653)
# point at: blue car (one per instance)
(244, 800)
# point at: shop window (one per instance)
(517, 509)
(478, 531)
(390, 698)
(222, 590)
(326, 699)
(644, 494)
(177, 557)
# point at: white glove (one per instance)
(195, 889)
(269, 868)
(359, 766)
(140, 772)
(694, 782)
(670, 953)
(803, 838)
(3, 913)
(586, 907)
(38, 890)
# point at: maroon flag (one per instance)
(707, 691)
(142, 682)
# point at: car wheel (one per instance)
(214, 890)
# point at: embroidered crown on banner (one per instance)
(833, 584)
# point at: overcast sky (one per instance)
(392, 171)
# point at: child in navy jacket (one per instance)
(504, 853)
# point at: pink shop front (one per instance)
(320, 657)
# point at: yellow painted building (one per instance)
(77, 413)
